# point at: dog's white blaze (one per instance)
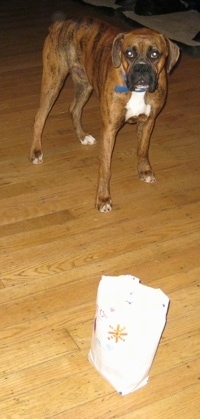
(137, 106)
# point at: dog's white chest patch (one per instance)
(137, 106)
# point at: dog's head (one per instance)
(143, 54)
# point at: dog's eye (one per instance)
(130, 53)
(154, 54)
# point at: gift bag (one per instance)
(129, 321)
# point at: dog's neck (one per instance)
(124, 88)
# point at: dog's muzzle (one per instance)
(142, 77)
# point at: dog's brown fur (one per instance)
(95, 54)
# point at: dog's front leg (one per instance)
(103, 198)
(144, 130)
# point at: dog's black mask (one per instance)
(142, 76)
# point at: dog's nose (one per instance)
(142, 70)
(141, 66)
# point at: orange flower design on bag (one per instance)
(117, 333)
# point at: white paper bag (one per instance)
(129, 321)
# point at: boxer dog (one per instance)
(126, 70)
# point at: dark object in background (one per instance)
(196, 37)
(158, 7)
(197, 5)
(126, 4)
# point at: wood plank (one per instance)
(183, 403)
(159, 389)
(54, 245)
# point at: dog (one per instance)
(127, 71)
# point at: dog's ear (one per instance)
(116, 50)
(173, 54)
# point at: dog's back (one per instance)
(86, 45)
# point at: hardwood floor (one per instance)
(55, 246)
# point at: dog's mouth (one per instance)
(142, 78)
(141, 88)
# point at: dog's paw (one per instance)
(37, 158)
(104, 205)
(88, 140)
(105, 208)
(147, 176)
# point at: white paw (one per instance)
(89, 139)
(147, 176)
(150, 179)
(106, 208)
(38, 160)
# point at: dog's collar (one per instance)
(121, 89)
(124, 88)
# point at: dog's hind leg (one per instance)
(55, 70)
(83, 91)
